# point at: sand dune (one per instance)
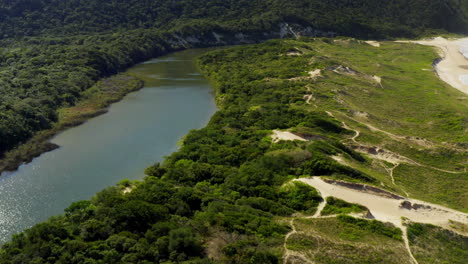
(388, 209)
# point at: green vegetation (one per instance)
(40, 76)
(347, 240)
(93, 103)
(220, 197)
(225, 178)
(273, 76)
(431, 244)
(372, 18)
(51, 51)
(446, 188)
(337, 206)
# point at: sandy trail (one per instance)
(387, 209)
(289, 253)
(453, 69)
(388, 155)
(326, 190)
(390, 172)
(357, 133)
(407, 245)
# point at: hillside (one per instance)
(363, 18)
(68, 45)
(228, 195)
(371, 116)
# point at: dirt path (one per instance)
(404, 229)
(390, 172)
(387, 209)
(453, 68)
(357, 133)
(387, 155)
(289, 253)
(379, 211)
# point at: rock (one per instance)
(368, 215)
(406, 205)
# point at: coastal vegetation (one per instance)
(347, 240)
(338, 206)
(52, 51)
(365, 113)
(226, 195)
(431, 244)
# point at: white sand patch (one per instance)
(464, 79)
(315, 73)
(285, 135)
(454, 63)
(373, 43)
(464, 48)
(128, 189)
(294, 53)
(308, 98)
(378, 80)
(360, 114)
(387, 209)
(339, 159)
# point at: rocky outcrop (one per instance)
(220, 36)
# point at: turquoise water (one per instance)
(137, 131)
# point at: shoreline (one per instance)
(95, 102)
(452, 67)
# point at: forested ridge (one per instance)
(365, 17)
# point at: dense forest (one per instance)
(374, 18)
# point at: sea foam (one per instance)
(464, 79)
(464, 48)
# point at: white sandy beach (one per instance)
(453, 69)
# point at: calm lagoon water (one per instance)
(136, 132)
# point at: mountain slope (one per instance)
(363, 18)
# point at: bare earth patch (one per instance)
(285, 135)
(373, 43)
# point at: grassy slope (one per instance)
(333, 241)
(226, 182)
(431, 244)
(413, 102)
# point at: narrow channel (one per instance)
(137, 131)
